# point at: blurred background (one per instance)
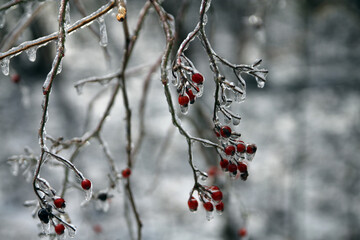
(304, 180)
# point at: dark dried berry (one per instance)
(244, 176)
(102, 196)
(44, 215)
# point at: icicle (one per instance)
(71, 229)
(102, 205)
(2, 19)
(104, 82)
(5, 66)
(60, 237)
(200, 90)
(208, 4)
(206, 143)
(31, 53)
(14, 167)
(205, 20)
(88, 195)
(209, 215)
(103, 33)
(59, 69)
(236, 120)
(79, 88)
(67, 14)
(184, 109)
(260, 82)
(203, 176)
(46, 228)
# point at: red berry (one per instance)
(241, 148)
(230, 150)
(219, 207)
(232, 168)
(217, 133)
(197, 78)
(126, 172)
(242, 232)
(97, 228)
(242, 167)
(59, 202)
(225, 131)
(183, 100)
(193, 204)
(191, 96)
(214, 188)
(224, 163)
(213, 170)
(251, 148)
(15, 78)
(59, 229)
(86, 184)
(217, 196)
(208, 206)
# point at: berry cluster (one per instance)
(52, 206)
(189, 83)
(236, 155)
(210, 197)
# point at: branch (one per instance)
(42, 41)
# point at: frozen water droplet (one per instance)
(31, 53)
(102, 205)
(59, 69)
(260, 82)
(209, 215)
(204, 176)
(250, 157)
(60, 237)
(184, 109)
(71, 229)
(174, 81)
(88, 195)
(67, 14)
(232, 175)
(227, 120)
(103, 32)
(79, 88)
(208, 4)
(104, 82)
(28, 175)
(200, 90)
(205, 20)
(45, 227)
(14, 167)
(206, 143)
(5, 66)
(236, 120)
(2, 19)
